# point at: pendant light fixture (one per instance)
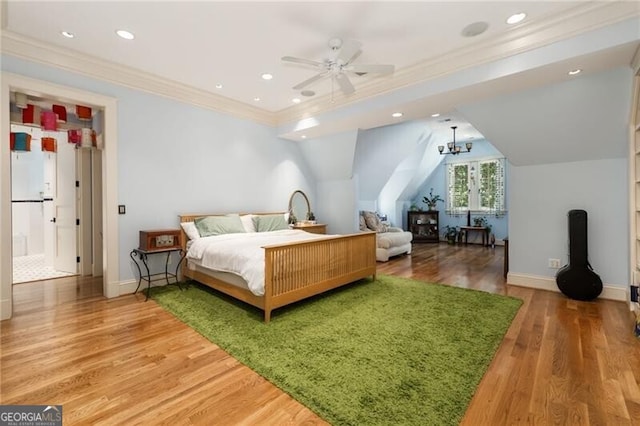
(452, 147)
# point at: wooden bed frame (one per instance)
(298, 270)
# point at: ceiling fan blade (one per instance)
(310, 80)
(349, 50)
(345, 84)
(370, 68)
(302, 61)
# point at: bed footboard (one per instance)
(299, 270)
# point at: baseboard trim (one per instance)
(5, 309)
(609, 292)
(129, 286)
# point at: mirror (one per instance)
(299, 206)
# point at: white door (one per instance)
(49, 192)
(64, 204)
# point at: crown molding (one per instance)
(525, 37)
(528, 36)
(35, 51)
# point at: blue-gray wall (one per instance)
(540, 198)
(176, 158)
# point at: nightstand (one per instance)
(149, 277)
(317, 228)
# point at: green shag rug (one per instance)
(388, 352)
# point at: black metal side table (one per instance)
(149, 277)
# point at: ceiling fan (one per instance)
(338, 65)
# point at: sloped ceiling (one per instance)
(577, 120)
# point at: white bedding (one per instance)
(242, 253)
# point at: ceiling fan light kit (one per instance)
(337, 67)
(453, 148)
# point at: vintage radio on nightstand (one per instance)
(160, 239)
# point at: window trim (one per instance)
(474, 187)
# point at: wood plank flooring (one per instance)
(124, 361)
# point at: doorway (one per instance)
(108, 179)
(56, 191)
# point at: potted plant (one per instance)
(431, 200)
(482, 222)
(450, 234)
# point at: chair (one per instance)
(390, 241)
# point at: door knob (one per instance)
(53, 220)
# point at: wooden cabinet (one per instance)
(424, 226)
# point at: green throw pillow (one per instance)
(270, 222)
(217, 225)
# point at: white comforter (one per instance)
(242, 253)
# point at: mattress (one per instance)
(228, 277)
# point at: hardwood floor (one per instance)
(124, 361)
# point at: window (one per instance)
(476, 185)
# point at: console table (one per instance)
(483, 230)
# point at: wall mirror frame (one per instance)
(299, 206)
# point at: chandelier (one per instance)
(453, 148)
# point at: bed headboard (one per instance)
(194, 216)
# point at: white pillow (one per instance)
(190, 229)
(247, 222)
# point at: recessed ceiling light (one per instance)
(296, 100)
(304, 136)
(576, 71)
(267, 76)
(437, 114)
(218, 86)
(396, 114)
(125, 34)
(257, 99)
(67, 34)
(515, 18)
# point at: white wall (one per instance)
(583, 118)
(339, 210)
(331, 160)
(387, 162)
(540, 198)
(176, 158)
